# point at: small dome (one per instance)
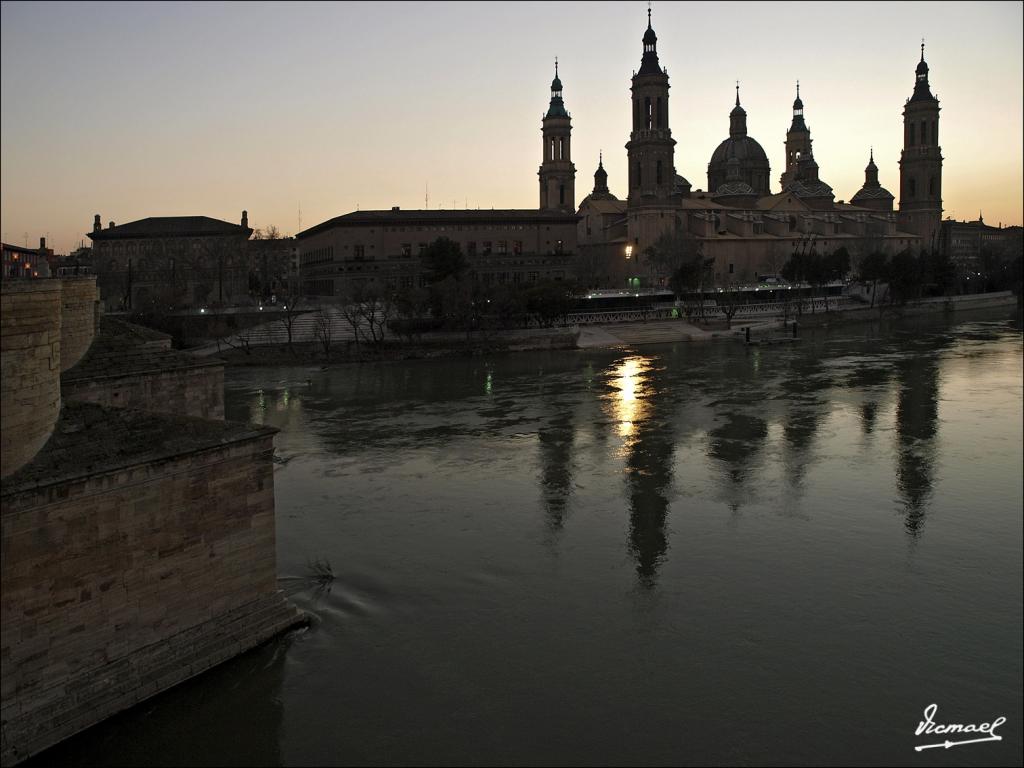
(556, 84)
(810, 189)
(872, 193)
(649, 36)
(798, 104)
(922, 67)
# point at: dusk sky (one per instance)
(150, 109)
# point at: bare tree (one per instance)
(323, 331)
(729, 302)
(291, 308)
(376, 310)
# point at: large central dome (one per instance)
(742, 148)
(754, 169)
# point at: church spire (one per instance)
(600, 177)
(871, 172)
(921, 88)
(557, 107)
(738, 117)
(798, 112)
(649, 63)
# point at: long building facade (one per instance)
(381, 250)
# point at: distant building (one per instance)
(27, 262)
(276, 267)
(964, 241)
(173, 262)
(738, 223)
(381, 249)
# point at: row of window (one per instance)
(317, 255)
(912, 187)
(911, 138)
(461, 228)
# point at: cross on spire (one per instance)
(737, 93)
(648, 13)
(922, 49)
(556, 66)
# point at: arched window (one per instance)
(561, 194)
(639, 176)
(561, 148)
(924, 131)
(658, 176)
(911, 142)
(912, 189)
(931, 187)
(661, 114)
(935, 131)
(648, 117)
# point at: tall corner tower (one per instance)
(557, 173)
(651, 150)
(921, 163)
(798, 141)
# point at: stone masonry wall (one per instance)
(30, 353)
(78, 318)
(190, 392)
(103, 570)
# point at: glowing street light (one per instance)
(629, 252)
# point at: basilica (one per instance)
(748, 230)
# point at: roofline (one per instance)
(388, 218)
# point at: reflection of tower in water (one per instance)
(917, 412)
(555, 439)
(806, 412)
(736, 443)
(644, 424)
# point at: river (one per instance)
(680, 554)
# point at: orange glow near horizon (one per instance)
(334, 107)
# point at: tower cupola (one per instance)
(738, 117)
(649, 63)
(557, 107)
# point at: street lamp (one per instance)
(629, 252)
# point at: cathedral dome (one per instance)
(740, 147)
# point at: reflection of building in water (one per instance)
(737, 443)
(645, 426)
(917, 412)
(870, 378)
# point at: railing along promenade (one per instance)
(709, 311)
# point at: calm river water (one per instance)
(673, 554)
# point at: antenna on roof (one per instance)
(426, 196)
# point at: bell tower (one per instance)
(651, 146)
(921, 163)
(798, 141)
(653, 201)
(557, 173)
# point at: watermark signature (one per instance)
(929, 726)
